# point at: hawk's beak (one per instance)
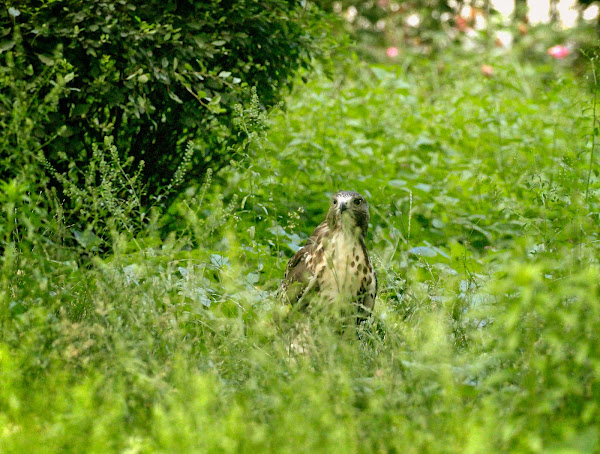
(343, 207)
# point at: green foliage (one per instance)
(484, 235)
(153, 75)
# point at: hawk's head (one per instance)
(349, 210)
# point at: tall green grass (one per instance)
(485, 333)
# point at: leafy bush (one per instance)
(154, 75)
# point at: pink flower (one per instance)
(487, 70)
(392, 52)
(558, 51)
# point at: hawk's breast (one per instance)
(339, 274)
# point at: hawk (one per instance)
(334, 264)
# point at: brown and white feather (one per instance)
(334, 264)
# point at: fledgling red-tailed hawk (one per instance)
(334, 264)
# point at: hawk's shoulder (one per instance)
(300, 269)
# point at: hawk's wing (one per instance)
(299, 273)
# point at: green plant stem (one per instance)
(594, 102)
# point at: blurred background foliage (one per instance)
(136, 299)
(430, 25)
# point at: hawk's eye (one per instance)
(357, 202)
(335, 201)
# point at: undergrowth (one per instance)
(484, 236)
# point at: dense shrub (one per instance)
(154, 75)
